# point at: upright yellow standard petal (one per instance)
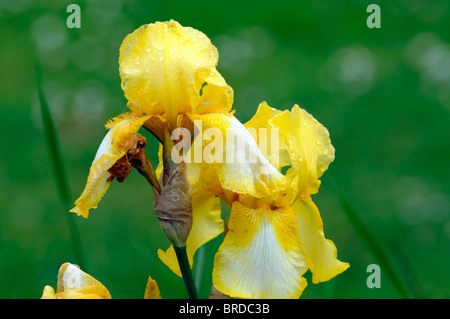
(73, 283)
(321, 253)
(309, 146)
(268, 136)
(121, 136)
(261, 256)
(167, 68)
(207, 224)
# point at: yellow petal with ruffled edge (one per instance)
(240, 165)
(122, 135)
(73, 283)
(152, 289)
(207, 225)
(268, 136)
(309, 146)
(261, 256)
(321, 253)
(167, 68)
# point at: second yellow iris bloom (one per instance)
(272, 240)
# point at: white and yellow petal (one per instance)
(73, 283)
(207, 225)
(321, 253)
(261, 256)
(170, 69)
(240, 165)
(122, 135)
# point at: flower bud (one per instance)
(173, 207)
(173, 204)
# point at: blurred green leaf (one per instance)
(59, 173)
(373, 246)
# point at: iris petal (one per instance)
(321, 253)
(152, 290)
(309, 146)
(121, 136)
(241, 166)
(73, 283)
(261, 256)
(169, 69)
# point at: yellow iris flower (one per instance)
(169, 72)
(73, 283)
(272, 240)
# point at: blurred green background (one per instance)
(383, 94)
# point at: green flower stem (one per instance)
(186, 272)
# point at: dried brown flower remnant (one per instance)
(122, 168)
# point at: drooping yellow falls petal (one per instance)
(73, 283)
(122, 135)
(207, 224)
(167, 68)
(321, 253)
(261, 256)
